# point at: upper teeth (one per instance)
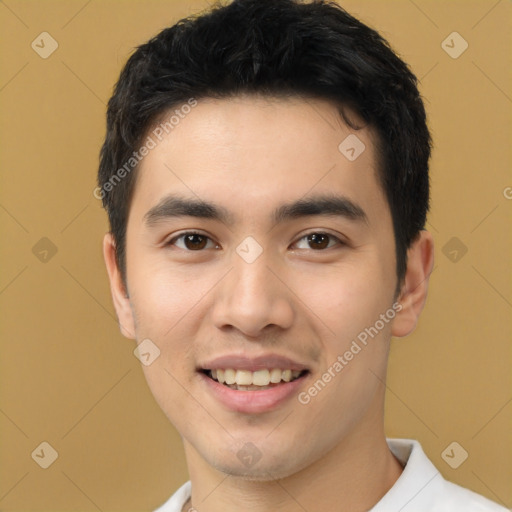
(257, 378)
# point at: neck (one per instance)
(356, 474)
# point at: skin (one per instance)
(250, 155)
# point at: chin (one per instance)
(262, 471)
(260, 474)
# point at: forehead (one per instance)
(251, 151)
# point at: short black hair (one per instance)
(275, 48)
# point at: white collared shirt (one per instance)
(420, 488)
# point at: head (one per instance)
(292, 141)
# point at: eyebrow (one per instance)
(325, 204)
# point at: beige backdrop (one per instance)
(68, 377)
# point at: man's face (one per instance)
(259, 291)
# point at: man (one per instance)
(265, 173)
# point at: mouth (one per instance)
(259, 380)
(253, 384)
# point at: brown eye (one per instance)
(192, 242)
(318, 240)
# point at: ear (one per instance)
(420, 261)
(118, 290)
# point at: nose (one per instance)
(253, 299)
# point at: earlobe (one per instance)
(117, 288)
(420, 262)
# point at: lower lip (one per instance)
(252, 402)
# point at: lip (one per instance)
(253, 364)
(252, 402)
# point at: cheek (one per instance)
(165, 302)
(162, 295)
(352, 300)
(347, 298)
(354, 353)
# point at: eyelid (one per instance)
(177, 236)
(341, 241)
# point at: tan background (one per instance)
(70, 379)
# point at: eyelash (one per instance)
(331, 237)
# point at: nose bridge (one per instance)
(251, 280)
(251, 297)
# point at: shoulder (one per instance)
(422, 488)
(454, 497)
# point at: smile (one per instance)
(245, 380)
